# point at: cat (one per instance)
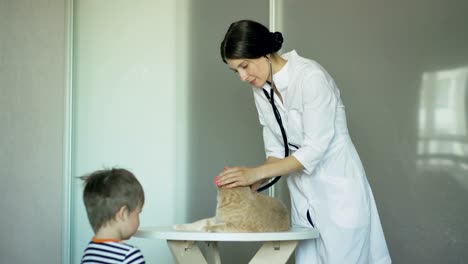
(241, 210)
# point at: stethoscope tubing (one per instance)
(277, 114)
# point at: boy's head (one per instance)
(109, 193)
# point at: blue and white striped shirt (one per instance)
(111, 252)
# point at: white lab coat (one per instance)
(333, 184)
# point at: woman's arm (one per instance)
(255, 186)
(243, 176)
(275, 167)
(271, 160)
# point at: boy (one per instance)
(113, 200)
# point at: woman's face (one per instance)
(254, 71)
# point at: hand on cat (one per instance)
(254, 187)
(237, 176)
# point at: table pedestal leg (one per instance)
(212, 252)
(186, 252)
(274, 252)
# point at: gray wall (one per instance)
(32, 80)
(402, 70)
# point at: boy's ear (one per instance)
(122, 213)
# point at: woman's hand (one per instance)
(238, 176)
(253, 177)
(254, 187)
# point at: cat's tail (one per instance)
(200, 225)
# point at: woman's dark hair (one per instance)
(247, 39)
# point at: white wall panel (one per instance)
(126, 93)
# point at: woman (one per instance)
(326, 180)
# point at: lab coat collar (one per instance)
(281, 78)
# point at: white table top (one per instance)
(168, 233)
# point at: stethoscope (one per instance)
(270, 98)
(283, 134)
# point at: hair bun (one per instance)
(277, 39)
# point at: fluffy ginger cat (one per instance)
(241, 210)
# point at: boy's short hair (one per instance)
(106, 191)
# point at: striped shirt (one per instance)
(107, 251)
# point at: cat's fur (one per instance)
(241, 210)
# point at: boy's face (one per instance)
(131, 223)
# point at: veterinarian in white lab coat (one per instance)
(326, 179)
